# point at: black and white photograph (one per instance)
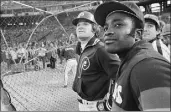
(85, 55)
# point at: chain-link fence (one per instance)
(34, 89)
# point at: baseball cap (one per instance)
(153, 18)
(166, 30)
(85, 15)
(107, 8)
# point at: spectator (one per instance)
(29, 55)
(34, 52)
(166, 35)
(13, 53)
(60, 51)
(162, 24)
(48, 53)
(42, 54)
(53, 56)
(71, 63)
(152, 34)
(8, 58)
(21, 53)
(3, 54)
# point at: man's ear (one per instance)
(158, 31)
(138, 34)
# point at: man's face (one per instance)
(166, 39)
(84, 30)
(116, 38)
(150, 31)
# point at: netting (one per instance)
(32, 89)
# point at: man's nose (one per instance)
(108, 33)
(80, 27)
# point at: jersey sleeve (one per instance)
(150, 82)
(109, 62)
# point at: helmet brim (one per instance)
(75, 21)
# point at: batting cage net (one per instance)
(26, 26)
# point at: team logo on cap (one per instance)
(85, 63)
(81, 14)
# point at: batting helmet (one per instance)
(85, 15)
(107, 8)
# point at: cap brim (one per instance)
(75, 21)
(153, 21)
(104, 9)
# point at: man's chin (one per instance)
(110, 50)
(83, 38)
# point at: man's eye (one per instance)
(150, 26)
(117, 25)
(85, 23)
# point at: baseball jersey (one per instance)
(143, 80)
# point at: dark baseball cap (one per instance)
(107, 8)
(85, 15)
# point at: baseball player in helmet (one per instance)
(152, 34)
(95, 68)
(143, 78)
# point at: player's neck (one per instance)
(122, 55)
(83, 44)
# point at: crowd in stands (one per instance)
(47, 51)
(44, 51)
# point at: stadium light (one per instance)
(142, 8)
(20, 23)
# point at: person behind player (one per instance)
(143, 79)
(8, 57)
(152, 30)
(95, 67)
(162, 24)
(71, 63)
(42, 54)
(166, 35)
